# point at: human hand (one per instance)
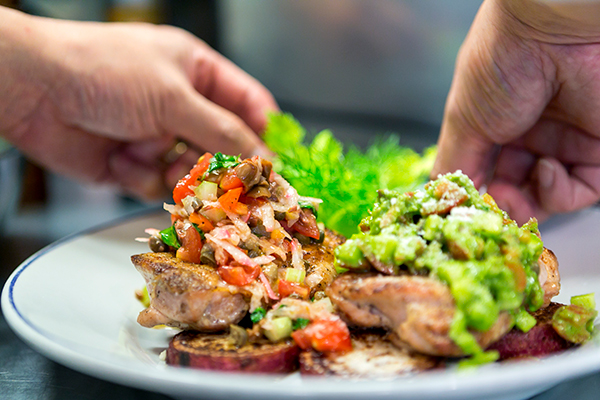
(522, 113)
(105, 102)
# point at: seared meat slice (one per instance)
(372, 356)
(418, 311)
(318, 258)
(187, 295)
(549, 277)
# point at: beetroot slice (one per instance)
(216, 352)
(541, 340)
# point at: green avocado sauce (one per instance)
(451, 232)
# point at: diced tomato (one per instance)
(191, 243)
(182, 189)
(230, 181)
(287, 288)
(203, 223)
(307, 225)
(229, 200)
(175, 218)
(237, 274)
(324, 335)
(241, 208)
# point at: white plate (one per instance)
(74, 302)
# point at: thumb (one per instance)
(499, 91)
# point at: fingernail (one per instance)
(546, 173)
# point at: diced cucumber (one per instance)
(295, 275)
(206, 191)
(280, 328)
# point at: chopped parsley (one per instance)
(169, 237)
(346, 180)
(300, 323)
(258, 314)
(222, 161)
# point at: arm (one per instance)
(104, 102)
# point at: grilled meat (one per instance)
(318, 258)
(417, 311)
(548, 276)
(188, 295)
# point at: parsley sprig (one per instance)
(346, 180)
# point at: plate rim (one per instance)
(175, 381)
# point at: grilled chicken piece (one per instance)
(548, 276)
(187, 295)
(318, 257)
(418, 311)
(372, 356)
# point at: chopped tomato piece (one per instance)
(324, 335)
(307, 225)
(230, 181)
(241, 208)
(287, 288)
(175, 218)
(203, 223)
(191, 242)
(237, 274)
(182, 189)
(229, 200)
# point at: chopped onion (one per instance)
(234, 251)
(297, 256)
(266, 214)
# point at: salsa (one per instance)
(450, 232)
(251, 226)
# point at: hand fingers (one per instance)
(498, 93)
(223, 83)
(145, 181)
(461, 148)
(559, 190)
(516, 201)
(562, 141)
(208, 126)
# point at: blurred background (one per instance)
(360, 68)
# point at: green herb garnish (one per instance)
(222, 161)
(169, 237)
(308, 205)
(346, 181)
(300, 323)
(258, 314)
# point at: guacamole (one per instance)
(452, 233)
